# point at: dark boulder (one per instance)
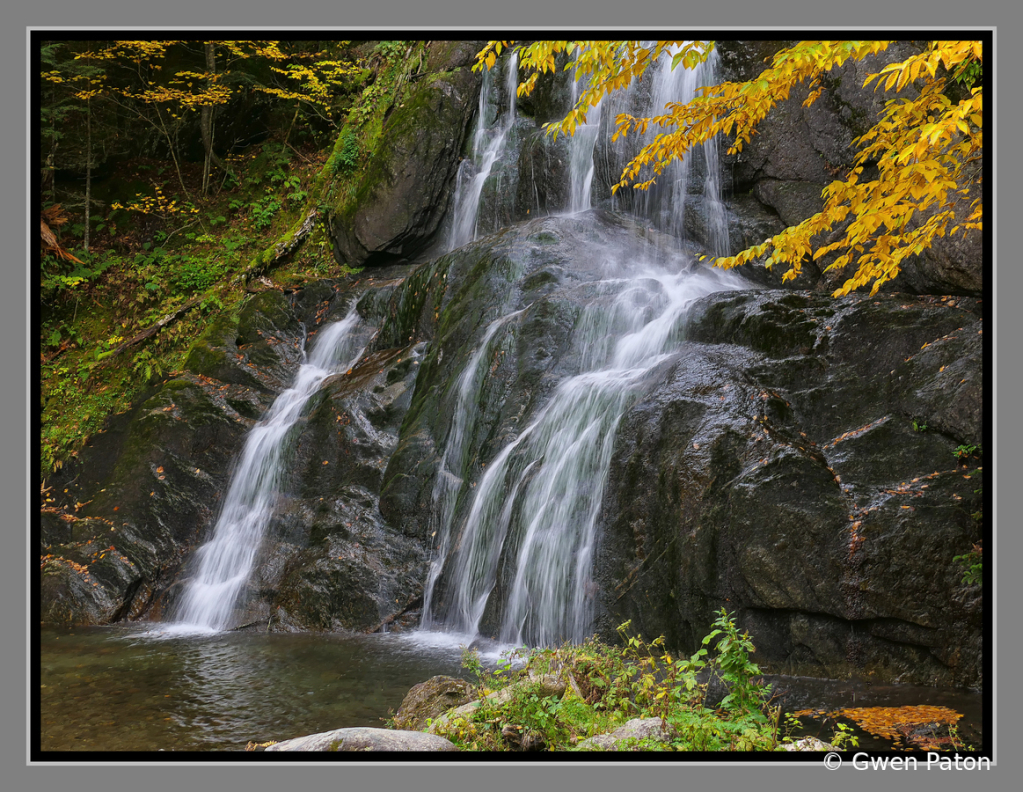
(792, 488)
(330, 561)
(405, 190)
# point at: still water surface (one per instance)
(123, 689)
(116, 689)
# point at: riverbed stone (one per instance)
(808, 744)
(628, 737)
(366, 739)
(429, 699)
(541, 685)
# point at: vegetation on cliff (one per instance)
(174, 174)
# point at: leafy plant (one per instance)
(346, 154)
(844, 737)
(608, 685)
(965, 451)
(192, 274)
(973, 563)
(737, 669)
(146, 365)
(472, 664)
(263, 211)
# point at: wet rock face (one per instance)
(545, 270)
(792, 488)
(330, 560)
(405, 191)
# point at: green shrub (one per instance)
(346, 155)
(609, 685)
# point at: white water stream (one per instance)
(580, 150)
(488, 145)
(535, 508)
(666, 202)
(224, 563)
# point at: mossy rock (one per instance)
(429, 699)
(403, 194)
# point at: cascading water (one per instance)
(224, 563)
(456, 455)
(535, 508)
(519, 545)
(580, 149)
(488, 144)
(667, 201)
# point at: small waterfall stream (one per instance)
(456, 457)
(224, 563)
(690, 184)
(488, 145)
(581, 156)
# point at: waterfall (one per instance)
(224, 563)
(488, 145)
(534, 511)
(580, 150)
(515, 549)
(449, 483)
(696, 176)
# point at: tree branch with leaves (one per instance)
(926, 148)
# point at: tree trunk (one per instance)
(152, 330)
(206, 120)
(88, 170)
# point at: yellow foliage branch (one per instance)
(924, 146)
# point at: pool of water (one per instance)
(139, 689)
(117, 689)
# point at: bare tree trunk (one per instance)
(206, 121)
(210, 157)
(88, 170)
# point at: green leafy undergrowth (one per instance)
(606, 686)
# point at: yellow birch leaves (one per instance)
(926, 148)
